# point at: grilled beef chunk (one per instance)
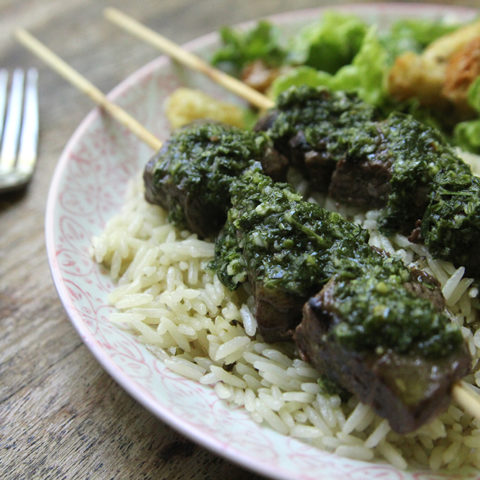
(343, 145)
(450, 227)
(405, 388)
(285, 247)
(362, 183)
(311, 127)
(191, 174)
(277, 312)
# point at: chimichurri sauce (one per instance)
(428, 184)
(289, 245)
(190, 176)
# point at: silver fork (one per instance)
(18, 128)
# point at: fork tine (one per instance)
(3, 97)
(27, 152)
(12, 123)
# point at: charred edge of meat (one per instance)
(277, 313)
(407, 390)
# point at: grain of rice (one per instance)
(355, 452)
(313, 388)
(126, 317)
(451, 284)
(116, 265)
(203, 362)
(226, 377)
(303, 370)
(236, 344)
(186, 330)
(330, 443)
(301, 397)
(249, 399)
(437, 271)
(378, 434)
(133, 300)
(239, 396)
(418, 454)
(305, 431)
(317, 421)
(286, 418)
(300, 417)
(274, 404)
(327, 412)
(451, 452)
(223, 391)
(209, 378)
(355, 418)
(252, 357)
(259, 347)
(249, 321)
(252, 382)
(184, 367)
(436, 457)
(272, 418)
(392, 455)
(278, 357)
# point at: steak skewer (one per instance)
(462, 396)
(347, 149)
(288, 249)
(374, 328)
(370, 174)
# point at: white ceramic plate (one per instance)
(88, 188)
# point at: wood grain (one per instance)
(61, 415)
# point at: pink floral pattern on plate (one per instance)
(88, 188)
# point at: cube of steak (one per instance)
(277, 313)
(363, 184)
(185, 206)
(362, 176)
(407, 390)
(317, 164)
(191, 174)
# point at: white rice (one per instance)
(169, 298)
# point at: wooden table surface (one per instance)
(61, 415)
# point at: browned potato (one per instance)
(413, 76)
(425, 76)
(462, 69)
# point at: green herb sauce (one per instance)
(328, 120)
(289, 245)
(378, 313)
(193, 171)
(429, 182)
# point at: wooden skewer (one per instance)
(80, 82)
(192, 61)
(461, 392)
